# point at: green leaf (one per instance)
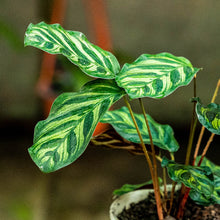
(131, 187)
(206, 162)
(199, 198)
(155, 76)
(199, 179)
(163, 135)
(64, 135)
(91, 59)
(209, 116)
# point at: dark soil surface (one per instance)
(146, 210)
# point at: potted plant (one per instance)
(64, 135)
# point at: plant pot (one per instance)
(125, 201)
(192, 210)
(134, 197)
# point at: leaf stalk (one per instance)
(192, 126)
(156, 186)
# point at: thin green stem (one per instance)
(156, 192)
(190, 143)
(192, 127)
(165, 184)
(172, 156)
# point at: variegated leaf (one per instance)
(64, 135)
(209, 116)
(91, 59)
(121, 121)
(199, 179)
(155, 76)
(206, 162)
(199, 198)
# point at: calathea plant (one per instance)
(64, 135)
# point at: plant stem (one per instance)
(172, 156)
(203, 128)
(156, 189)
(191, 138)
(150, 135)
(165, 183)
(173, 187)
(216, 91)
(189, 150)
(139, 134)
(206, 148)
(152, 147)
(198, 144)
(192, 127)
(172, 197)
(182, 204)
(151, 144)
(184, 200)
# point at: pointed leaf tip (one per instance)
(155, 76)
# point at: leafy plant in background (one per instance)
(64, 135)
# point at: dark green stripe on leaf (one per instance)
(121, 121)
(155, 76)
(91, 59)
(64, 135)
(209, 116)
(199, 198)
(199, 179)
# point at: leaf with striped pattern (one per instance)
(163, 135)
(64, 135)
(155, 76)
(91, 59)
(199, 179)
(209, 116)
(199, 198)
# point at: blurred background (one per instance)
(31, 79)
